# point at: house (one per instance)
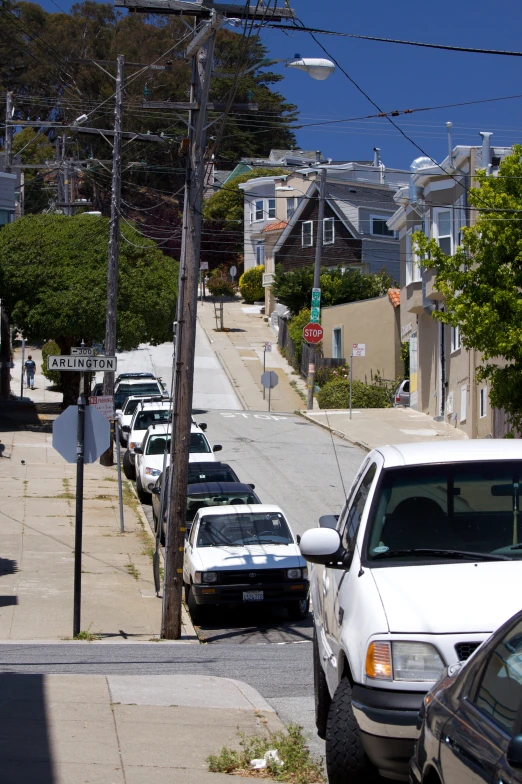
(8, 200)
(374, 322)
(442, 371)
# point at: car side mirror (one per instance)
(251, 485)
(138, 450)
(298, 538)
(514, 751)
(323, 546)
(217, 448)
(156, 490)
(126, 428)
(328, 521)
(203, 426)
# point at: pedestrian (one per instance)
(30, 367)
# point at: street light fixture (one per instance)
(316, 67)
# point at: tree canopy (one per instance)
(294, 289)
(482, 283)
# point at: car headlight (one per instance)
(297, 574)
(403, 661)
(205, 577)
(152, 471)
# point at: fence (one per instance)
(320, 361)
(287, 345)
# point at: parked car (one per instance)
(141, 387)
(148, 411)
(150, 456)
(211, 472)
(126, 376)
(471, 730)
(402, 393)
(202, 495)
(244, 554)
(419, 569)
(128, 409)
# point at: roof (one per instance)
(362, 195)
(395, 297)
(166, 427)
(277, 226)
(243, 509)
(218, 487)
(465, 451)
(276, 155)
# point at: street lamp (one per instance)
(316, 67)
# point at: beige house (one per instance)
(374, 322)
(442, 372)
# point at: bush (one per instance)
(251, 285)
(295, 330)
(219, 286)
(54, 376)
(325, 374)
(336, 394)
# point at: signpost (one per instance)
(233, 271)
(203, 265)
(92, 439)
(313, 333)
(358, 350)
(269, 380)
(268, 347)
(104, 404)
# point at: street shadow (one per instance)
(254, 625)
(8, 601)
(25, 749)
(25, 415)
(8, 566)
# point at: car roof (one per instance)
(130, 382)
(243, 509)
(218, 487)
(165, 427)
(462, 451)
(135, 375)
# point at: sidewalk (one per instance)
(95, 729)
(373, 427)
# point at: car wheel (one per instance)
(195, 610)
(298, 609)
(144, 497)
(128, 468)
(122, 440)
(321, 694)
(346, 761)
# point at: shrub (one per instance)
(295, 330)
(251, 284)
(220, 286)
(54, 376)
(336, 394)
(324, 374)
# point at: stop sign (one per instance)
(313, 333)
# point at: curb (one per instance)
(338, 433)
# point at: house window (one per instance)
(291, 206)
(337, 343)
(442, 231)
(257, 210)
(379, 227)
(328, 231)
(455, 338)
(413, 268)
(483, 401)
(271, 208)
(307, 233)
(260, 254)
(4, 217)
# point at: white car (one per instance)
(149, 457)
(129, 407)
(422, 565)
(244, 554)
(141, 387)
(145, 414)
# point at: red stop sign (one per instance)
(313, 333)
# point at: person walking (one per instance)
(30, 367)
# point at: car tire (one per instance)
(298, 609)
(322, 697)
(195, 610)
(123, 442)
(144, 497)
(346, 761)
(128, 468)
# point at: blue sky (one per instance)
(402, 77)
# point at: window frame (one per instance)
(271, 206)
(307, 244)
(456, 342)
(483, 402)
(259, 246)
(255, 210)
(331, 222)
(347, 518)
(340, 331)
(384, 218)
(413, 268)
(435, 230)
(291, 209)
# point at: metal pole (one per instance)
(114, 242)
(5, 327)
(269, 394)
(8, 135)
(120, 490)
(317, 280)
(264, 368)
(80, 447)
(351, 365)
(186, 336)
(22, 374)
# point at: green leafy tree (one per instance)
(294, 289)
(482, 283)
(53, 279)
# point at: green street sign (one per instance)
(316, 297)
(315, 315)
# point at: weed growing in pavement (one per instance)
(87, 635)
(299, 391)
(299, 767)
(131, 569)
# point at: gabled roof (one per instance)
(362, 196)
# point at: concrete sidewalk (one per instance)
(372, 427)
(95, 729)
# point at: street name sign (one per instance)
(82, 351)
(97, 434)
(313, 333)
(315, 314)
(82, 364)
(359, 350)
(103, 404)
(316, 297)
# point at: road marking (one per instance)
(255, 416)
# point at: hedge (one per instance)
(336, 394)
(54, 376)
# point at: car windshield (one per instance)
(157, 444)
(199, 501)
(456, 510)
(130, 407)
(145, 419)
(210, 475)
(198, 443)
(126, 390)
(243, 529)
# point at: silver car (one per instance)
(402, 393)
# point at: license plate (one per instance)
(253, 596)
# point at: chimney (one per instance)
(376, 156)
(449, 126)
(318, 156)
(486, 150)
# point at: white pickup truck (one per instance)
(422, 565)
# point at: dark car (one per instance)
(472, 718)
(204, 494)
(123, 376)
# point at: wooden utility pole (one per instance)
(202, 53)
(317, 280)
(5, 327)
(114, 241)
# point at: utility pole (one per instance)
(5, 327)
(201, 51)
(8, 135)
(114, 241)
(317, 279)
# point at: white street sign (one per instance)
(268, 346)
(105, 405)
(203, 265)
(359, 350)
(233, 271)
(82, 351)
(84, 364)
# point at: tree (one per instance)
(53, 278)
(482, 283)
(294, 289)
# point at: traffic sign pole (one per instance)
(264, 368)
(80, 453)
(351, 378)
